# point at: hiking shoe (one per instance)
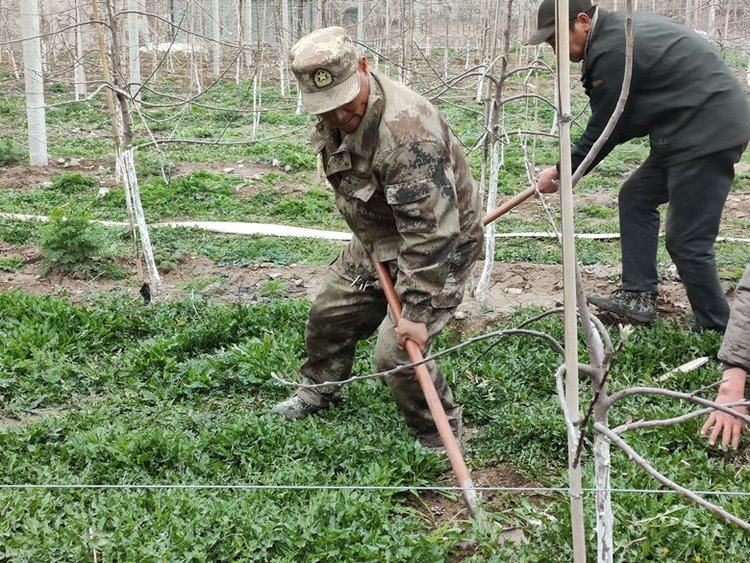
(294, 407)
(437, 450)
(434, 443)
(698, 329)
(639, 306)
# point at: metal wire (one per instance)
(402, 488)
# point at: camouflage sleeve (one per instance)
(420, 189)
(735, 347)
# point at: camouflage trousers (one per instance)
(350, 307)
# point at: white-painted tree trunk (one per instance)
(248, 32)
(195, 72)
(713, 27)
(485, 279)
(216, 36)
(480, 81)
(402, 67)
(33, 78)
(256, 106)
(79, 70)
(240, 35)
(131, 191)
(387, 40)
(446, 49)
(360, 21)
(14, 64)
(134, 55)
(284, 38)
(494, 150)
(553, 127)
(123, 134)
(604, 516)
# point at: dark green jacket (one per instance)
(682, 95)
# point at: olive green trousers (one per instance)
(349, 307)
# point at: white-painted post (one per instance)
(569, 281)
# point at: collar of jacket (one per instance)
(362, 142)
(594, 19)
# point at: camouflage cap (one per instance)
(325, 63)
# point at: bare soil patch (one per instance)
(447, 508)
(513, 284)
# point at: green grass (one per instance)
(198, 196)
(178, 393)
(130, 414)
(173, 244)
(273, 289)
(11, 264)
(18, 232)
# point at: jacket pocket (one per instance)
(412, 206)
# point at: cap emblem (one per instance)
(322, 78)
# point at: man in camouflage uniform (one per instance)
(404, 189)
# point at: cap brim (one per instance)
(332, 98)
(541, 35)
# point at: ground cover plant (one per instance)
(97, 389)
(178, 394)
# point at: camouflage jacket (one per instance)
(404, 188)
(735, 347)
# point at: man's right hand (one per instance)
(547, 182)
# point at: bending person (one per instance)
(404, 188)
(696, 115)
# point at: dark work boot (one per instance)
(434, 443)
(294, 407)
(639, 306)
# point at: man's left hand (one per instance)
(724, 424)
(409, 330)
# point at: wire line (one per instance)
(404, 488)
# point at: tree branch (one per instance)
(648, 468)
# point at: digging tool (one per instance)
(452, 449)
(450, 443)
(508, 205)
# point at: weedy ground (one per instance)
(105, 391)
